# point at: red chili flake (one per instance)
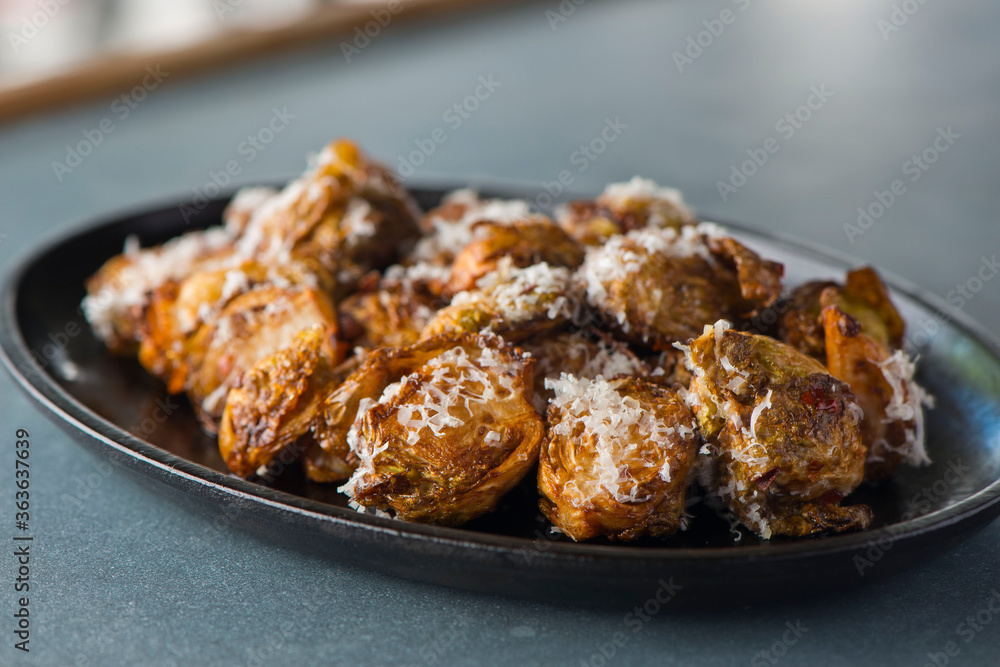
(765, 480)
(820, 400)
(812, 470)
(369, 282)
(629, 221)
(848, 326)
(349, 327)
(831, 497)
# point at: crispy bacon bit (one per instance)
(831, 497)
(765, 480)
(818, 399)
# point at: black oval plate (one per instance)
(111, 404)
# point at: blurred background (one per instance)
(61, 51)
(51, 37)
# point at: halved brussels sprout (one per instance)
(276, 402)
(346, 212)
(784, 440)
(514, 302)
(893, 424)
(579, 356)
(864, 297)
(617, 458)
(178, 309)
(442, 429)
(623, 207)
(119, 292)
(525, 242)
(253, 326)
(659, 286)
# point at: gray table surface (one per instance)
(124, 576)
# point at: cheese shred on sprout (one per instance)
(521, 294)
(450, 236)
(620, 429)
(907, 403)
(147, 270)
(449, 385)
(626, 254)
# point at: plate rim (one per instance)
(63, 408)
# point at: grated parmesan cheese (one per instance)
(358, 221)
(642, 189)
(907, 403)
(449, 385)
(624, 255)
(617, 425)
(521, 295)
(448, 237)
(147, 270)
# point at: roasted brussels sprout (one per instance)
(320, 464)
(525, 242)
(178, 309)
(659, 286)
(391, 316)
(244, 205)
(442, 429)
(276, 402)
(784, 440)
(516, 303)
(345, 212)
(117, 295)
(253, 326)
(449, 227)
(617, 458)
(623, 207)
(579, 356)
(893, 424)
(437, 415)
(864, 297)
